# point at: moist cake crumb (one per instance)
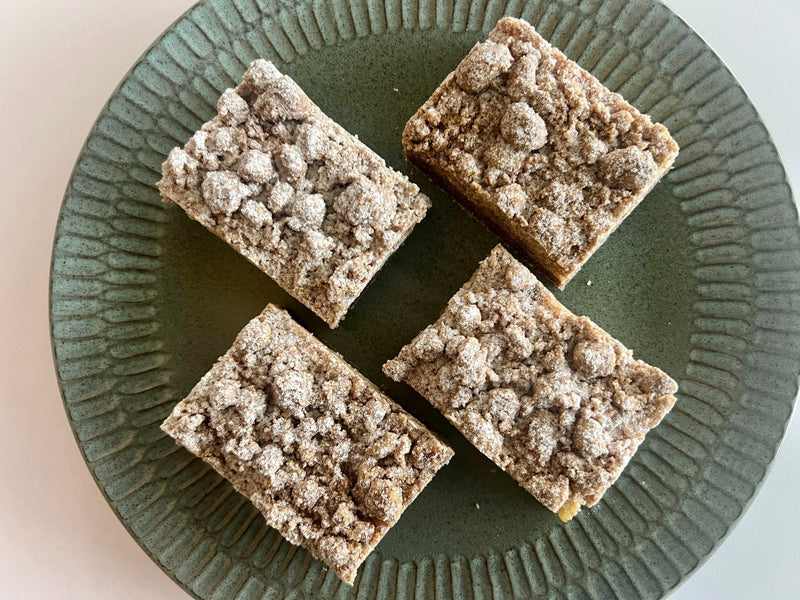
(293, 192)
(548, 396)
(538, 148)
(328, 459)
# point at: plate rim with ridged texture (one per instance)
(736, 394)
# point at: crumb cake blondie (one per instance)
(548, 396)
(293, 192)
(537, 148)
(329, 460)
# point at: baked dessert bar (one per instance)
(293, 192)
(537, 148)
(548, 396)
(329, 460)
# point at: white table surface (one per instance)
(59, 63)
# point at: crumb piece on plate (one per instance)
(328, 459)
(537, 148)
(550, 397)
(293, 192)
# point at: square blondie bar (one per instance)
(548, 396)
(293, 192)
(537, 148)
(329, 460)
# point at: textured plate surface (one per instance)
(702, 280)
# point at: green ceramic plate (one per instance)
(702, 280)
